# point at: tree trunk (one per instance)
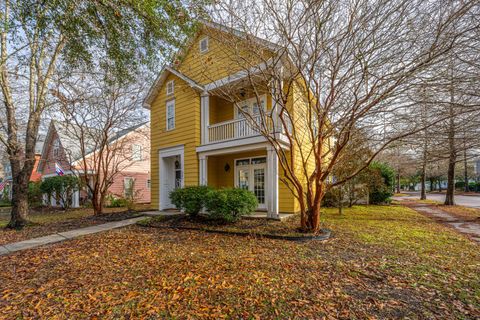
(19, 214)
(398, 182)
(465, 171)
(423, 191)
(97, 204)
(313, 219)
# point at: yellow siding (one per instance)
(226, 55)
(186, 132)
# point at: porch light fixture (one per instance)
(227, 167)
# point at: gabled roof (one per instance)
(157, 85)
(167, 69)
(70, 142)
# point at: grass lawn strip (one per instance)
(384, 262)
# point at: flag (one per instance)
(59, 169)
(2, 185)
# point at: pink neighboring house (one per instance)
(61, 149)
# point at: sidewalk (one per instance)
(469, 228)
(62, 236)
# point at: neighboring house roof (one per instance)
(39, 144)
(70, 142)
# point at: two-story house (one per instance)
(62, 151)
(199, 137)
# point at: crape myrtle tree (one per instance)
(103, 118)
(36, 36)
(349, 64)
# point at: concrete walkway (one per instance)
(469, 228)
(62, 236)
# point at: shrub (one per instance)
(34, 194)
(190, 199)
(115, 202)
(230, 204)
(380, 183)
(61, 186)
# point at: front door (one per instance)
(250, 175)
(171, 178)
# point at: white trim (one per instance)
(158, 83)
(205, 38)
(172, 84)
(178, 150)
(252, 140)
(204, 116)
(251, 167)
(238, 75)
(271, 195)
(203, 170)
(167, 104)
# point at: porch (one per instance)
(253, 168)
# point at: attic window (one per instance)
(170, 87)
(204, 45)
(56, 148)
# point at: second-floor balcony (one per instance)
(247, 122)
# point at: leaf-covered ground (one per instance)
(47, 221)
(384, 262)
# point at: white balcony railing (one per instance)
(235, 129)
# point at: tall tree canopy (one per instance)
(39, 38)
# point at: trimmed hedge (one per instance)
(230, 204)
(190, 199)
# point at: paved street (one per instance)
(466, 201)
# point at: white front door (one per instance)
(250, 175)
(170, 174)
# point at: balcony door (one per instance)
(251, 107)
(250, 174)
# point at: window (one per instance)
(128, 186)
(204, 45)
(56, 147)
(149, 184)
(136, 152)
(170, 87)
(251, 107)
(171, 115)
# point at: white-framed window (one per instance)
(170, 114)
(128, 185)
(170, 87)
(56, 147)
(149, 184)
(251, 107)
(136, 152)
(204, 45)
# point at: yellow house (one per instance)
(200, 138)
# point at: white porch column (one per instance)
(76, 199)
(272, 183)
(204, 116)
(203, 170)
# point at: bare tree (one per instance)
(350, 64)
(37, 36)
(104, 120)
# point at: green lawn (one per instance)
(383, 262)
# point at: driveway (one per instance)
(472, 201)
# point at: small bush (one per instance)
(115, 202)
(230, 204)
(34, 194)
(380, 183)
(190, 199)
